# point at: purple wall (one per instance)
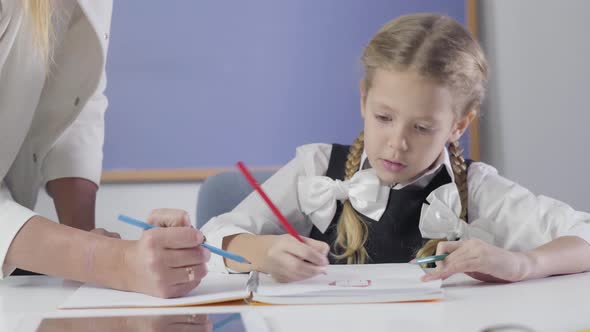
(199, 84)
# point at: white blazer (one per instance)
(50, 126)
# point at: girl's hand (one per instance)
(481, 261)
(289, 260)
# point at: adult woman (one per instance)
(52, 103)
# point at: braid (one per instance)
(353, 161)
(352, 232)
(460, 172)
(440, 49)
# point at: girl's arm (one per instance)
(533, 236)
(486, 262)
(564, 255)
(282, 256)
(253, 216)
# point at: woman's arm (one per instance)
(74, 200)
(47, 247)
(165, 262)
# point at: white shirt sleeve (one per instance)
(253, 216)
(12, 217)
(517, 218)
(78, 151)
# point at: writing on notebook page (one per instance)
(350, 283)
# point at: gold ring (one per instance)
(191, 273)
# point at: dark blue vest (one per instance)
(395, 238)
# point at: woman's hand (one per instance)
(166, 262)
(104, 232)
(481, 261)
(169, 218)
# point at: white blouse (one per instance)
(500, 211)
(51, 126)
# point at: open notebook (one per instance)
(370, 283)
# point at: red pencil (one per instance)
(270, 204)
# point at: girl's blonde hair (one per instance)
(40, 13)
(437, 48)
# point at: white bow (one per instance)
(439, 219)
(318, 196)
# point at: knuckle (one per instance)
(309, 253)
(98, 231)
(150, 240)
(153, 261)
(201, 271)
(173, 214)
(153, 215)
(441, 246)
(293, 265)
(183, 214)
(199, 237)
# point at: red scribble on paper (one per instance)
(351, 283)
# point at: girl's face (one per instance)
(408, 121)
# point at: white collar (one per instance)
(423, 180)
(318, 195)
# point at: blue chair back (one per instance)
(222, 192)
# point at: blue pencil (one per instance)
(429, 259)
(215, 250)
